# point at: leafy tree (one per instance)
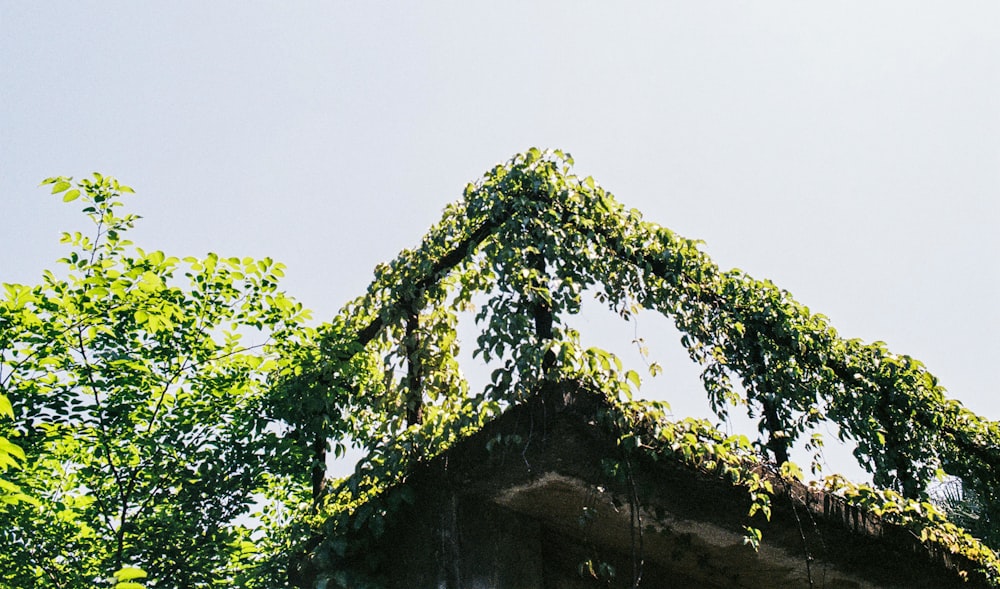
(136, 387)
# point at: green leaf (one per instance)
(9, 448)
(149, 281)
(129, 574)
(69, 196)
(60, 186)
(633, 377)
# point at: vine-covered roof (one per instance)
(521, 249)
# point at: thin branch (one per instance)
(102, 432)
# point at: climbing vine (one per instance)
(521, 248)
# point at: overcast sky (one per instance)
(850, 152)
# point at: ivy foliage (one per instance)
(521, 249)
(136, 395)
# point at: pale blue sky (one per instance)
(850, 152)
